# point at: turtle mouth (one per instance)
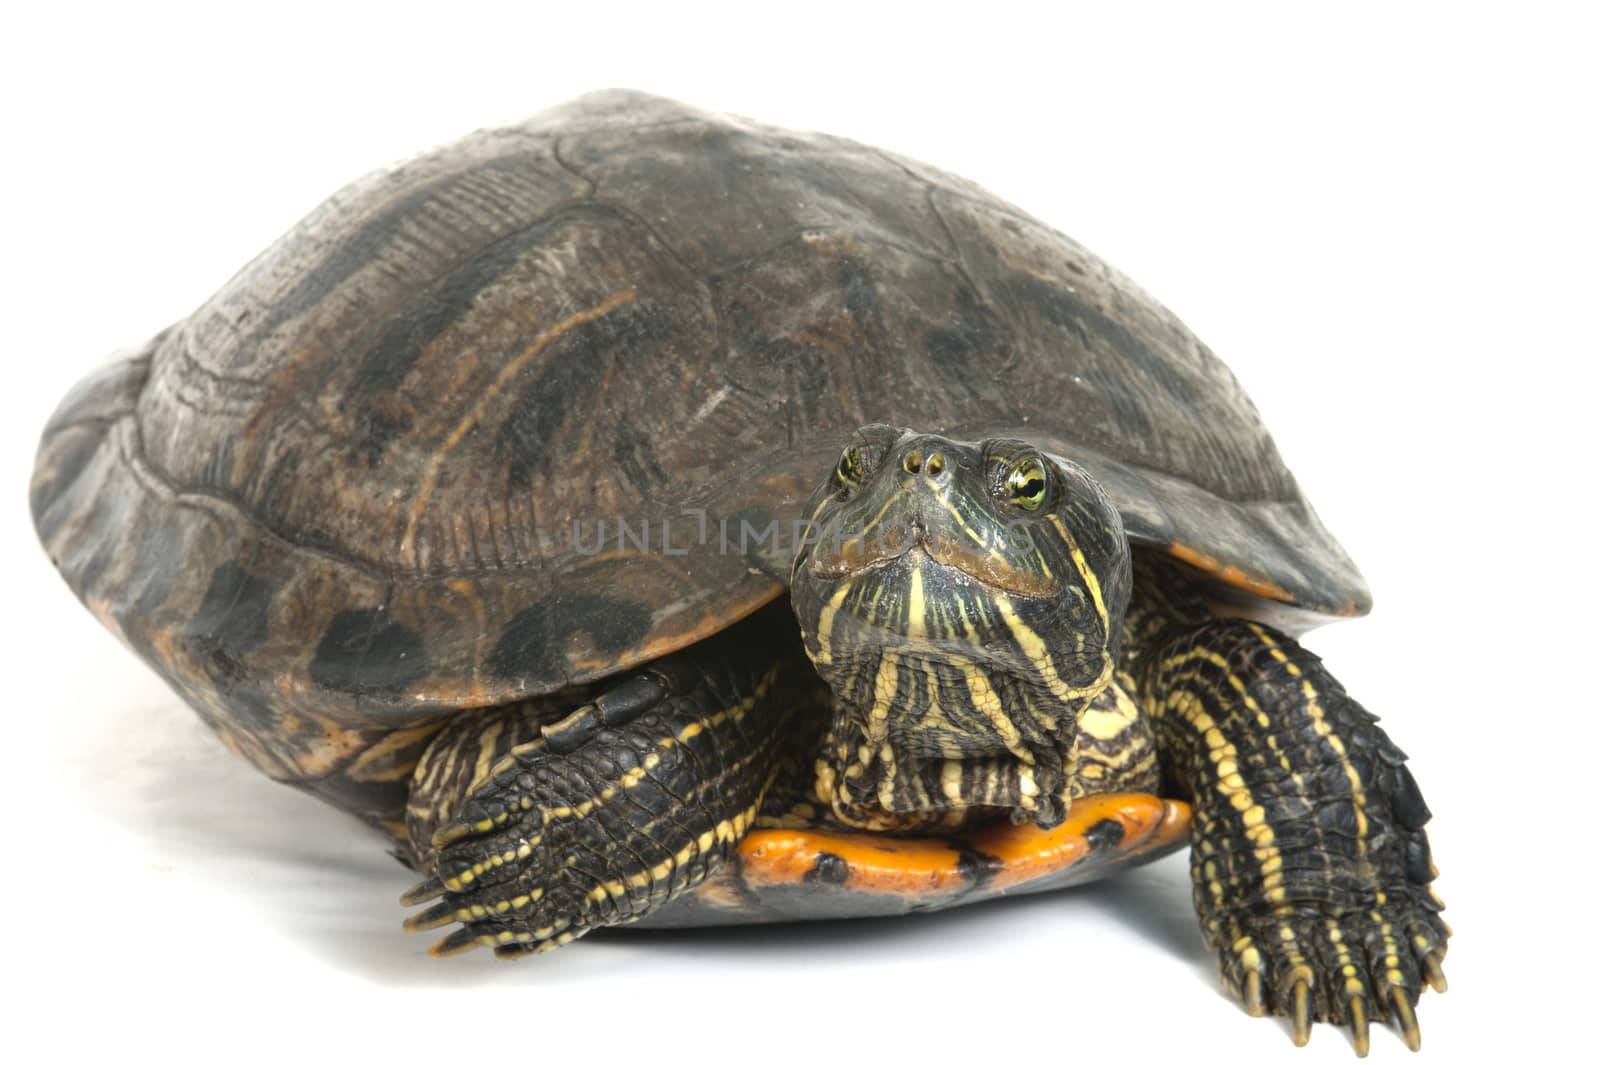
(881, 549)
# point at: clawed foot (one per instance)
(530, 862)
(621, 806)
(1352, 968)
(500, 877)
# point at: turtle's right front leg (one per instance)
(627, 802)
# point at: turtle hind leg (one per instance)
(614, 809)
(1310, 864)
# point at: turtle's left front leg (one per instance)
(1310, 863)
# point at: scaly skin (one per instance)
(1310, 864)
(628, 802)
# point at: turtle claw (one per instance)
(1254, 1003)
(1433, 971)
(458, 942)
(436, 917)
(449, 834)
(1357, 968)
(1359, 1032)
(1406, 1017)
(426, 891)
(1302, 1010)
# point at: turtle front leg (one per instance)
(1310, 863)
(625, 803)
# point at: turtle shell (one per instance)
(542, 404)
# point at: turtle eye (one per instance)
(1026, 483)
(851, 468)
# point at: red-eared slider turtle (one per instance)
(477, 506)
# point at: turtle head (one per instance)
(964, 601)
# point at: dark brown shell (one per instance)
(343, 493)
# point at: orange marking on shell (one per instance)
(876, 864)
(477, 695)
(1028, 852)
(1229, 573)
(921, 868)
(1173, 829)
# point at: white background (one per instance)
(1383, 219)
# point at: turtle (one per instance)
(648, 517)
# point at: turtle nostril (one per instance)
(935, 465)
(913, 461)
